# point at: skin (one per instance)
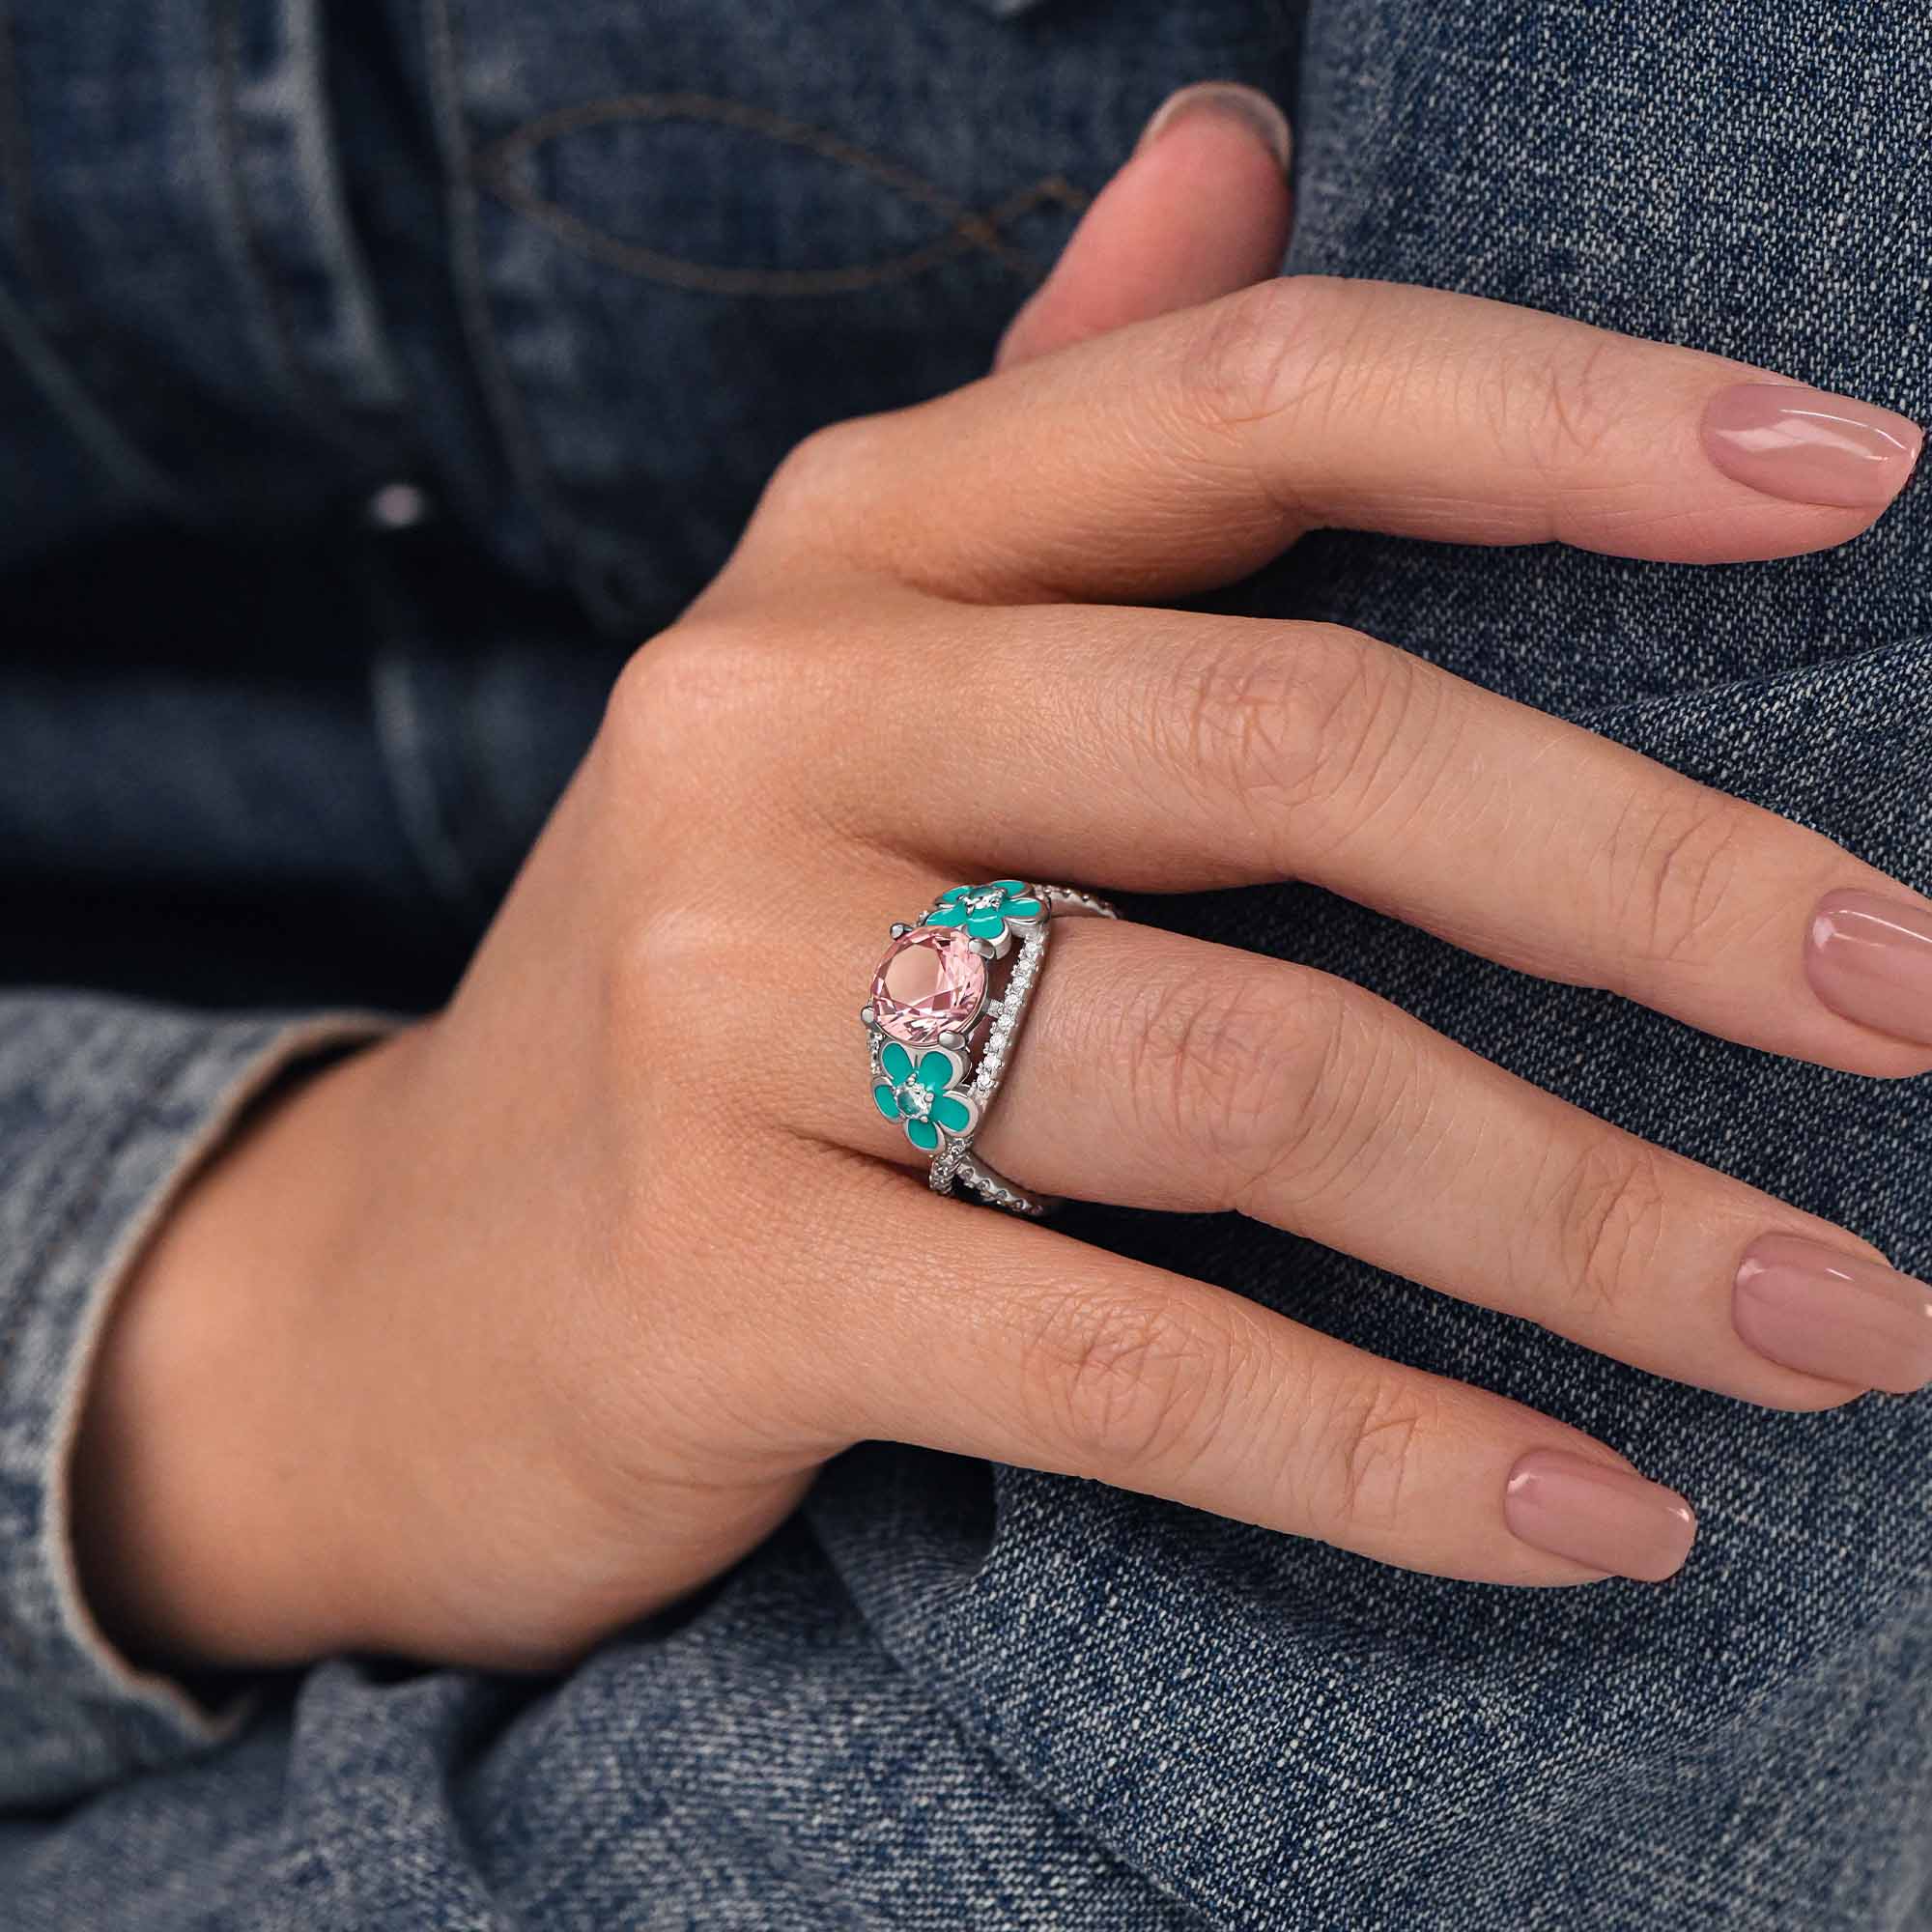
(535, 1316)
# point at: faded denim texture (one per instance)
(579, 275)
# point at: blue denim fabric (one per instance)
(580, 275)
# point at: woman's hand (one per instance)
(539, 1315)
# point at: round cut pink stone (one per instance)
(929, 982)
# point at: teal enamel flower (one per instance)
(925, 1096)
(989, 912)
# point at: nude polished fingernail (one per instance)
(1605, 1518)
(1232, 102)
(1811, 446)
(1834, 1314)
(1869, 957)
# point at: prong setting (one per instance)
(979, 1014)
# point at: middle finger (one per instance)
(1168, 751)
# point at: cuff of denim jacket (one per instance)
(113, 1108)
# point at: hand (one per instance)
(536, 1316)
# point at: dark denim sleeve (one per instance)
(104, 1107)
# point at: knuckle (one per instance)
(1671, 874)
(693, 696)
(1570, 399)
(1126, 1382)
(1283, 721)
(1609, 1204)
(1366, 1443)
(1278, 347)
(1235, 1064)
(803, 499)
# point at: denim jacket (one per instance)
(371, 381)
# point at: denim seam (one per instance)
(325, 410)
(88, 422)
(320, 164)
(472, 299)
(227, 26)
(400, 735)
(968, 229)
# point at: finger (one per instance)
(1183, 452)
(990, 1337)
(1200, 209)
(1175, 751)
(1160, 1071)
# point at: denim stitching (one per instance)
(472, 300)
(228, 143)
(317, 404)
(91, 426)
(968, 229)
(402, 734)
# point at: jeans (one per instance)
(371, 383)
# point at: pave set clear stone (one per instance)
(1006, 1013)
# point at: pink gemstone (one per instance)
(929, 982)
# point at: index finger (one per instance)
(1184, 451)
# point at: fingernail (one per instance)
(1809, 447)
(1834, 1314)
(1233, 102)
(1870, 959)
(1605, 1518)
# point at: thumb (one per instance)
(1200, 209)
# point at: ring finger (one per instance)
(1161, 1071)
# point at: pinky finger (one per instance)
(1003, 1340)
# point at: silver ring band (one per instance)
(941, 1038)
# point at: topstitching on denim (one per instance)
(967, 229)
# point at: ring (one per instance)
(940, 1034)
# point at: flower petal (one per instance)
(957, 1113)
(986, 924)
(923, 1135)
(882, 1098)
(947, 914)
(1023, 909)
(896, 1062)
(939, 1068)
(1012, 888)
(954, 893)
